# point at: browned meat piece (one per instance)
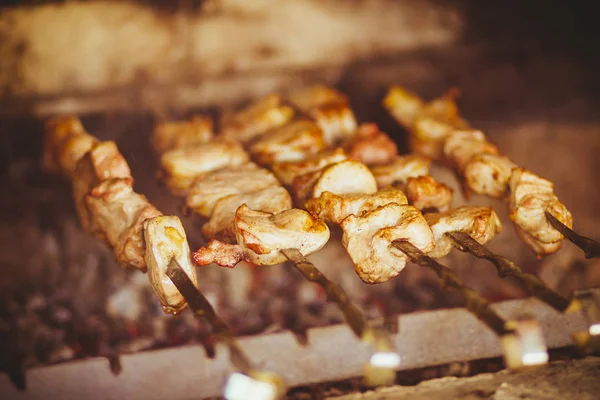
(311, 97)
(119, 212)
(292, 142)
(335, 208)
(346, 177)
(481, 223)
(262, 235)
(223, 254)
(400, 169)
(429, 124)
(461, 146)
(103, 161)
(371, 146)
(178, 134)
(180, 167)
(209, 188)
(426, 194)
(530, 197)
(489, 174)
(65, 142)
(330, 110)
(272, 199)
(286, 172)
(165, 240)
(256, 119)
(368, 240)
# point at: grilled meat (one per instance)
(481, 223)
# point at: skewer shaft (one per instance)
(506, 267)
(203, 309)
(475, 302)
(590, 247)
(353, 315)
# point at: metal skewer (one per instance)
(248, 381)
(385, 360)
(590, 247)
(506, 267)
(521, 338)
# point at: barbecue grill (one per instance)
(76, 324)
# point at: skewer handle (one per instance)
(506, 267)
(590, 247)
(522, 339)
(475, 302)
(203, 309)
(353, 315)
(382, 366)
(248, 381)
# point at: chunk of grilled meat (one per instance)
(103, 161)
(346, 177)
(312, 97)
(256, 119)
(427, 194)
(461, 146)
(178, 134)
(180, 167)
(368, 239)
(371, 146)
(208, 188)
(291, 142)
(65, 142)
(429, 124)
(165, 239)
(530, 197)
(119, 212)
(400, 169)
(481, 223)
(261, 236)
(335, 208)
(330, 110)
(489, 174)
(272, 199)
(337, 122)
(286, 172)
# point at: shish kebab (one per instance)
(140, 235)
(386, 219)
(250, 214)
(437, 131)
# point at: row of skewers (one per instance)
(307, 149)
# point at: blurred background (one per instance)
(527, 71)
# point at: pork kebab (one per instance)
(336, 186)
(248, 214)
(109, 208)
(437, 131)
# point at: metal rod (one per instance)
(475, 302)
(506, 267)
(590, 247)
(203, 309)
(353, 315)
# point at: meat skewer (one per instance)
(297, 141)
(343, 204)
(140, 235)
(521, 339)
(506, 267)
(202, 308)
(437, 130)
